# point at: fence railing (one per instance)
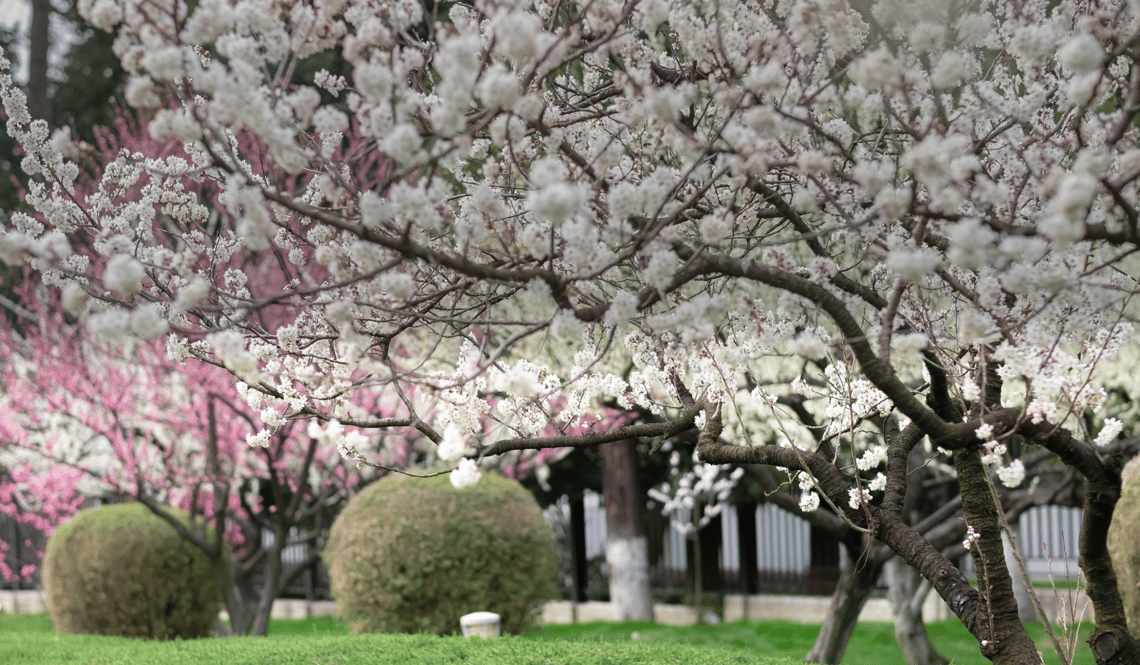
(784, 541)
(783, 549)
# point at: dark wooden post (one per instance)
(16, 553)
(749, 556)
(824, 572)
(711, 547)
(703, 557)
(578, 548)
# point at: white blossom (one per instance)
(1109, 431)
(1081, 54)
(453, 446)
(111, 325)
(1013, 474)
(466, 474)
(230, 347)
(622, 308)
(515, 224)
(398, 285)
(258, 439)
(556, 202)
(73, 298)
(872, 458)
(972, 538)
(857, 497)
(124, 274)
(192, 295)
(147, 322)
(912, 264)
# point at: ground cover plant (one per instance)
(845, 239)
(786, 642)
(29, 641)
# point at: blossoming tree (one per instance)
(79, 420)
(938, 198)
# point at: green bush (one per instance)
(413, 555)
(1125, 547)
(121, 570)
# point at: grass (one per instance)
(596, 642)
(1060, 583)
(872, 642)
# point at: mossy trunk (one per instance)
(1111, 641)
(1001, 636)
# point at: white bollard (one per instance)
(483, 624)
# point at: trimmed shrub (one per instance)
(1125, 547)
(413, 555)
(121, 570)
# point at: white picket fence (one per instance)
(783, 541)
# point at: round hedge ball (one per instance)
(412, 555)
(121, 570)
(1123, 546)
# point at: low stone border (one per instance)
(805, 609)
(22, 602)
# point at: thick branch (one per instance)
(647, 430)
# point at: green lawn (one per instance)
(631, 642)
(872, 642)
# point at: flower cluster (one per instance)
(804, 230)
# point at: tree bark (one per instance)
(39, 104)
(1111, 641)
(237, 596)
(847, 602)
(1000, 633)
(272, 584)
(906, 594)
(627, 545)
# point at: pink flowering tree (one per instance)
(35, 499)
(82, 419)
(652, 204)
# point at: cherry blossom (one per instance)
(797, 234)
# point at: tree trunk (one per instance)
(39, 105)
(271, 586)
(627, 546)
(907, 593)
(998, 628)
(237, 595)
(855, 586)
(1111, 641)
